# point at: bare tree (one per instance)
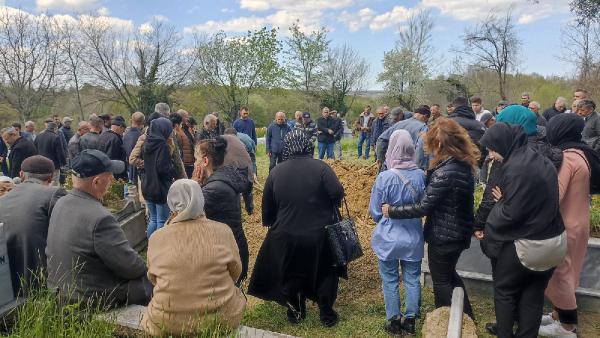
(231, 68)
(141, 67)
(305, 55)
(72, 47)
(345, 72)
(406, 67)
(29, 59)
(493, 44)
(579, 39)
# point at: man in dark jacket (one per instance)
(381, 124)
(51, 145)
(132, 134)
(91, 140)
(88, 255)
(326, 134)
(337, 135)
(274, 139)
(20, 149)
(559, 107)
(111, 143)
(25, 212)
(363, 126)
(464, 115)
(66, 131)
(591, 132)
(3, 157)
(307, 126)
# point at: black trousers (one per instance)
(442, 266)
(520, 291)
(274, 160)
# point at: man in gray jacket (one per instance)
(25, 212)
(89, 257)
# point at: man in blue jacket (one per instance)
(274, 139)
(244, 124)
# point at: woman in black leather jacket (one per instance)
(448, 205)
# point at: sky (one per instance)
(369, 26)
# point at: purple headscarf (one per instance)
(401, 151)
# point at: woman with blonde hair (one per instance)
(448, 205)
(193, 263)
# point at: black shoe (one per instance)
(394, 326)
(294, 316)
(408, 325)
(491, 328)
(331, 319)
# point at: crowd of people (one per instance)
(538, 170)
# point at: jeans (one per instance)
(442, 266)
(325, 146)
(158, 214)
(338, 149)
(275, 159)
(390, 280)
(518, 290)
(362, 137)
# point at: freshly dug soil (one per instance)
(363, 273)
(436, 324)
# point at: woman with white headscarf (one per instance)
(193, 263)
(399, 241)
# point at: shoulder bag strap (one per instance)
(407, 183)
(583, 157)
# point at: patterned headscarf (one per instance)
(401, 151)
(296, 143)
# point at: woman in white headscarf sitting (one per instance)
(193, 263)
(399, 242)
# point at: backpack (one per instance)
(592, 159)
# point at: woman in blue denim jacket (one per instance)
(399, 241)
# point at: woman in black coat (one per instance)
(222, 186)
(448, 205)
(158, 173)
(524, 228)
(294, 262)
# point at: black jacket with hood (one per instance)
(158, 167)
(465, 116)
(528, 180)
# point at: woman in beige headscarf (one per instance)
(193, 264)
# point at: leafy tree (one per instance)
(232, 68)
(405, 68)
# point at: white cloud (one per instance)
(396, 16)
(114, 23)
(146, 28)
(67, 5)
(356, 21)
(294, 5)
(103, 11)
(160, 18)
(527, 11)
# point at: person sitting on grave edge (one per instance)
(194, 285)
(25, 212)
(89, 258)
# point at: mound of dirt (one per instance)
(436, 324)
(364, 282)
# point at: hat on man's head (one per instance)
(485, 117)
(37, 164)
(51, 125)
(48, 120)
(306, 115)
(105, 117)
(423, 110)
(92, 162)
(119, 121)
(67, 119)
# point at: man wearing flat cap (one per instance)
(25, 212)
(111, 143)
(89, 257)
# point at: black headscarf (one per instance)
(564, 132)
(504, 138)
(160, 129)
(296, 144)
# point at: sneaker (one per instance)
(394, 326)
(491, 328)
(547, 319)
(408, 325)
(556, 330)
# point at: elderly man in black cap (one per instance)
(89, 257)
(25, 212)
(111, 143)
(52, 145)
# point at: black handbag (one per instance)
(343, 240)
